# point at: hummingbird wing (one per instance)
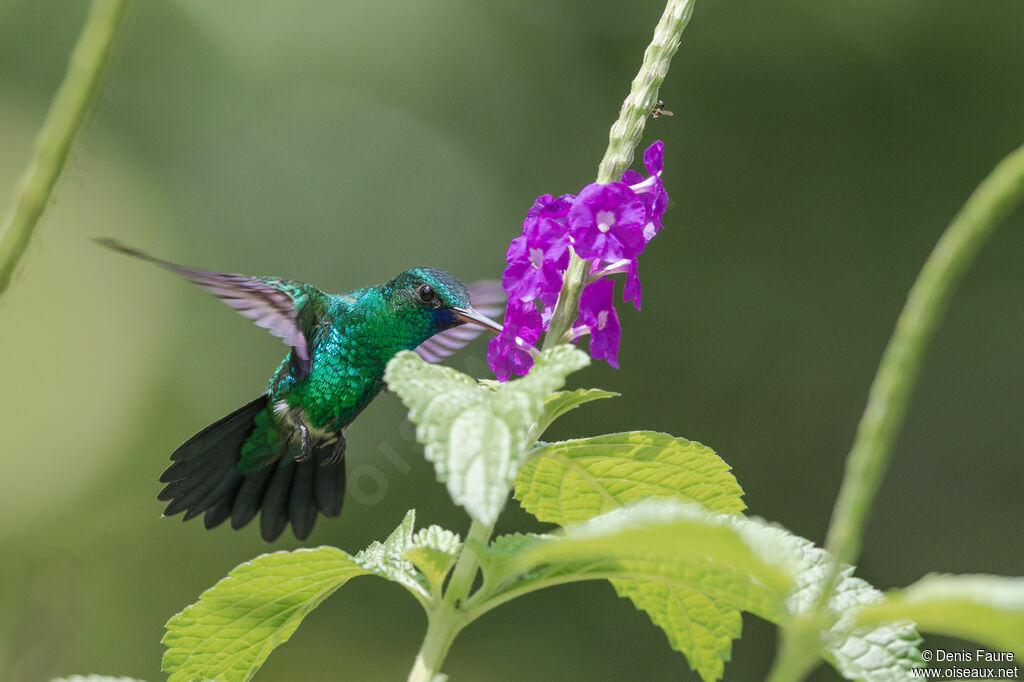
(275, 304)
(487, 297)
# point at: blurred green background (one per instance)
(817, 151)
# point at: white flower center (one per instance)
(605, 220)
(602, 319)
(537, 257)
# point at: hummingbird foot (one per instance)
(304, 451)
(337, 454)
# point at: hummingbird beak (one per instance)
(471, 316)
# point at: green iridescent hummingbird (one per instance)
(283, 454)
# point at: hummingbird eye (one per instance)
(426, 293)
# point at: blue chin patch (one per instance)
(444, 318)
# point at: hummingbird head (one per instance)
(437, 298)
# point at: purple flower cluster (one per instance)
(608, 225)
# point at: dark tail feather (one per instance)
(204, 477)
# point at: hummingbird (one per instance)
(282, 454)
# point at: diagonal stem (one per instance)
(994, 199)
(52, 144)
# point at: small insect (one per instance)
(660, 110)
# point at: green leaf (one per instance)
(690, 569)
(680, 541)
(574, 480)
(560, 402)
(987, 609)
(884, 652)
(476, 436)
(700, 627)
(386, 559)
(230, 631)
(434, 551)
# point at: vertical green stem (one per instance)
(448, 618)
(623, 139)
(994, 198)
(52, 144)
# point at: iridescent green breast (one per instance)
(349, 349)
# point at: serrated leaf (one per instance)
(386, 559)
(574, 480)
(699, 626)
(561, 402)
(687, 567)
(230, 631)
(434, 551)
(476, 436)
(685, 540)
(885, 652)
(987, 609)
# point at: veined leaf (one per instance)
(883, 652)
(691, 570)
(987, 609)
(574, 480)
(434, 551)
(560, 402)
(680, 541)
(230, 631)
(477, 435)
(386, 559)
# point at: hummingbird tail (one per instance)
(204, 477)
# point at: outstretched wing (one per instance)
(487, 297)
(274, 304)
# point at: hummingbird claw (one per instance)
(304, 453)
(337, 454)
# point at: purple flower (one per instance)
(651, 190)
(537, 260)
(607, 222)
(549, 206)
(547, 310)
(654, 158)
(510, 351)
(598, 317)
(632, 290)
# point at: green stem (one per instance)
(441, 631)
(886, 408)
(623, 139)
(52, 144)
(450, 616)
(900, 367)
